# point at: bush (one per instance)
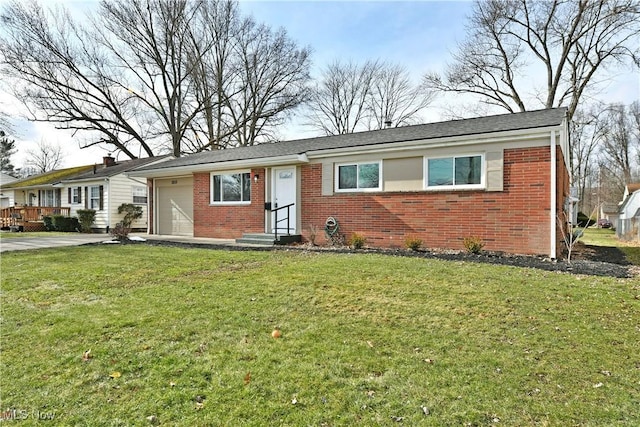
(131, 213)
(48, 223)
(357, 241)
(413, 243)
(473, 244)
(120, 232)
(584, 221)
(86, 217)
(65, 223)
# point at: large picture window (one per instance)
(358, 177)
(231, 188)
(462, 171)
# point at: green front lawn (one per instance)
(606, 237)
(183, 337)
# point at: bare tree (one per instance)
(63, 76)
(619, 147)
(571, 41)
(146, 76)
(586, 130)
(338, 103)
(45, 157)
(394, 100)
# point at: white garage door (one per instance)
(175, 206)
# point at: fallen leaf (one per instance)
(370, 344)
(428, 360)
(86, 355)
(172, 384)
(247, 378)
(276, 333)
(425, 410)
(294, 401)
(371, 393)
(397, 419)
(115, 374)
(598, 385)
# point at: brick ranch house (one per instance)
(502, 178)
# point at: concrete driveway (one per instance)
(72, 239)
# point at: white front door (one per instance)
(284, 193)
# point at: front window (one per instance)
(358, 176)
(231, 188)
(140, 195)
(462, 171)
(50, 198)
(75, 195)
(94, 198)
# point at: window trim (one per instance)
(91, 198)
(133, 195)
(357, 189)
(76, 195)
(233, 202)
(483, 169)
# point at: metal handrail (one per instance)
(276, 221)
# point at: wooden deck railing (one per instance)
(18, 215)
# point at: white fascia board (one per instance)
(449, 141)
(219, 166)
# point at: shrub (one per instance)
(357, 241)
(313, 233)
(131, 213)
(413, 243)
(584, 221)
(473, 244)
(86, 217)
(120, 232)
(48, 223)
(65, 223)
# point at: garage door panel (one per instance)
(175, 210)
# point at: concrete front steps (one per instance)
(268, 239)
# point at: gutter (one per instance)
(554, 185)
(290, 159)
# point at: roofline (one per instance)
(436, 142)
(290, 159)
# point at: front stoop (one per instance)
(266, 239)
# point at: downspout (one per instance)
(108, 186)
(554, 185)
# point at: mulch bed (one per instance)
(586, 260)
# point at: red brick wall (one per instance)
(227, 221)
(515, 220)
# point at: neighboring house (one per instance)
(501, 178)
(28, 199)
(610, 211)
(629, 213)
(5, 200)
(102, 187)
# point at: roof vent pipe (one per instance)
(387, 123)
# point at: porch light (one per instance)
(256, 177)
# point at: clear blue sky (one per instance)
(421, 35)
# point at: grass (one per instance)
(607, 237)
(30, 234)
(184, 335)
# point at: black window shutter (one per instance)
(69, 195)
(58, 201)
(101, 197)
(86, 197)
(79, 194)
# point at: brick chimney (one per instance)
(108, 161)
